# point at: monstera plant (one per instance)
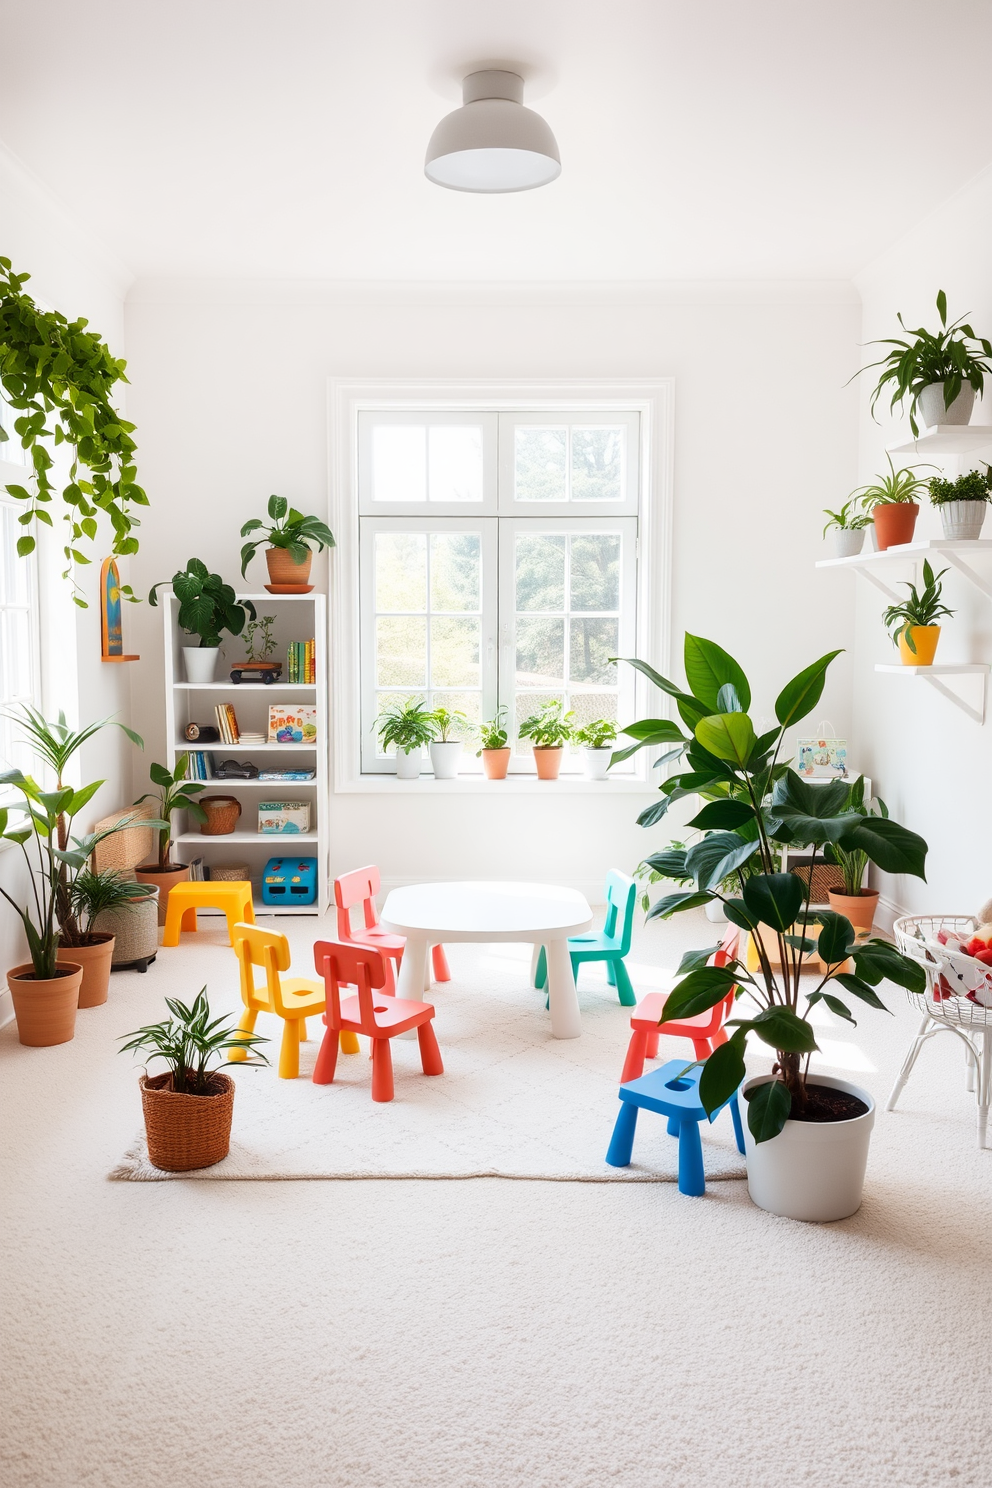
(755, 804)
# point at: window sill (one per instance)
(478, 785)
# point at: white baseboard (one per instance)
(887, 913)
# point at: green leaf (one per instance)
(654, 731)
(800, 696)
(738, 914)
(776, 899)
(836, 937)
(724, 815)
(651, 815)
(893, 848)
(278, 507)
(768, 1108)
(728, 736)
(159, 775)
(708, 667)
(722, 1073)
(876, 960)
(663, 909)
(859, 988)
(718, 854)
(693, 960)
(840, 1008)
(810, 815)
(669, 864)
(697, 993)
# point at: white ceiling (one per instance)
(699, 139)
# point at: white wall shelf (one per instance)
(247, 686)
(973, 705)
(279, 841)
(947, 439)
(950, 550)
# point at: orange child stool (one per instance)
(360, 886)
(293, 999)
(234, 898)
(706, 1030)
(373, 1011)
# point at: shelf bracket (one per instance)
(977, 714)
(969, 573)
(880, 584)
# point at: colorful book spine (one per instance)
(232, 722)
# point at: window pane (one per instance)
(400, 571)
(401, 651)
(469, 703)
(540, 572)
(16, 682)
(456, 571)
(539, 464)
(595, 576)
(455, 652)
(399, 462)
(592, 643)
(540, 653)
(589, 706)
(597, 463)
(456, 463)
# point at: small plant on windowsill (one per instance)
(962, 503)
(407, 726)
(596, 741)
(450, 726)
(847, 527)
(913, 623)
(549, 730)
(495, 747)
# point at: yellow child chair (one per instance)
(294, 999)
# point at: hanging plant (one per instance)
(58, 377)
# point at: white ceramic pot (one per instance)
(813, 1170)
(200, 662)
(408, 763)
(716, 913)
(845, 543)
(931, 405)
(962, 520)
(597, 762)
(446, 757)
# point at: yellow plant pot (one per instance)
(925, 638)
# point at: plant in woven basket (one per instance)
(919, 609)
(758, 805)
(191, 1043)
(94, 893)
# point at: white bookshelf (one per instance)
(299, 617)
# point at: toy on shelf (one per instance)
(289, 881)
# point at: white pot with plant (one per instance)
(596, 740)
(939, 373)
(962, 503)
(847, 528)
(549, 730)
(287, 538)
(407, 726)
(806, 1133)
(446, 747)
(207, 607)
(495, 749)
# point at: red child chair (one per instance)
(360, 887)
(380, 1017)
(705, 1030)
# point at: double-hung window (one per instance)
(19, 675)
(498, 565)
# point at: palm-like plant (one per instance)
(93, 893)
(174, 793)
(287, 529)
(190, 1042)
(918, 609)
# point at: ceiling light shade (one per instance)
(492, 143)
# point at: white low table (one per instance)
(442, 913)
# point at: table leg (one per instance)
(563, 1001)
(411, 981)
(535, 957)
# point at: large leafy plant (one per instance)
(207, 606)
(58, 377)
(191, 1043)
(287, 528)
(756, 805)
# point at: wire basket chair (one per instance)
(954, 1002)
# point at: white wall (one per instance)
(229, 392)
(928, 759)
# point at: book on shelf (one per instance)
(301, 663)
(292, 725)
(287, 775)
(227, 723)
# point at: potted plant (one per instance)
(549, 730)
(174, 793)
(207, 607)
(962, 503)
(134, 927)
(596, 741)
(847, 527)
(94, 894)
(188, 1108)
(289, 535)
(261, 646)
(406, 726)
(854, 902)
(806, 1134)
(495, 750)
(940, 374)
(913, 623)
(893, 505)
(446, 747)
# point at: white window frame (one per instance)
(652, 399)
(509, 422)
(429, 419)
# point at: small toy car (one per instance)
(257, 671)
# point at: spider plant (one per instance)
(918, 609)
(189, 1043)
(952, 356)
(92, 893)
(848, 519)
(898, 487)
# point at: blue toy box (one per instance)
(289, 881)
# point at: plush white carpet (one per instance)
(513, 1102)
(484, 1334)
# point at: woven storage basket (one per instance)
(186, 1131)
(222, 815)
(230, 873)
(826, 876)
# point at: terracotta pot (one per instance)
(495, 762)
(282, 569)
(548, 762)
(95, 959)
(186, 1131)
(151, 873)
(45, 1009)
(895, 523)
(925, 638)
(222, 815)
(858, 908)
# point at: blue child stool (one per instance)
(674, 1094)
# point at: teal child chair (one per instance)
(610, 944)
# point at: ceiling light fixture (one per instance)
(492, 143)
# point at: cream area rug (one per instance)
(513, 1102)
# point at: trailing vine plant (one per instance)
(58, 378)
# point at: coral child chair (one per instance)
(705, 1030)
(360, 886)
(374, 1012)
(610, 944)
(293, 999)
